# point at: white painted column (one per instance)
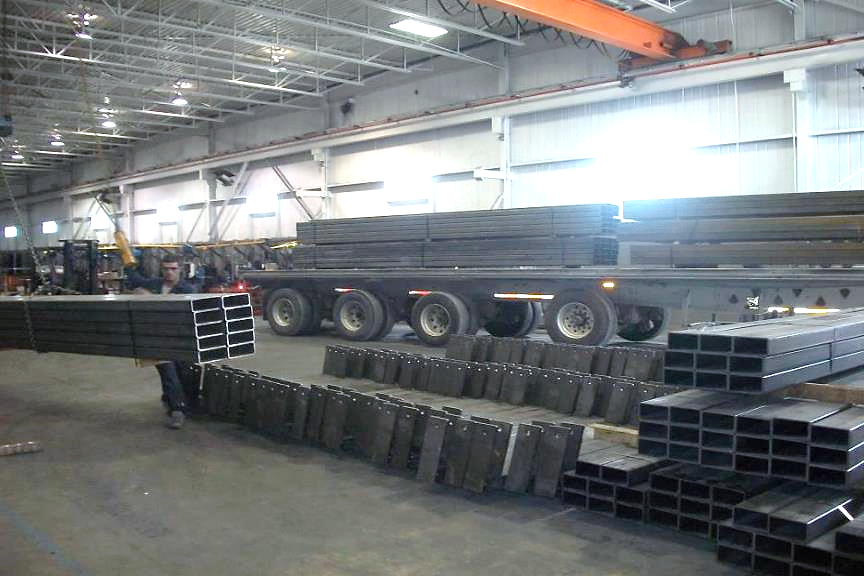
(801, 129)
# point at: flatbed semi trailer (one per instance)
(588, 305)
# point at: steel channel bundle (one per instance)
(747, 206)
(695, 500)
(192, 328)
(610, 479)
(745, 229)
(439, 446)
(794, 439)
(638, 363)
(793, 528)
(757, 357)
(614, 398)
(550, 236)
(822, 253)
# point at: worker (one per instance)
(176, 397)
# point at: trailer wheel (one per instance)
(437, 316)
(358, 315)
(290, 313)
(581, 317)
(389, 321)
(514, 319)
(652, 321)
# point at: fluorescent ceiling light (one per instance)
(179, 100)
(418, 28)
(16, 156)
(10, 231)
(109, 124)
(49, 227)
(83, 35)
(57, 143)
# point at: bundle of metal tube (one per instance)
(192, 328)
(756, 357)
(796, 529)
(817, 442)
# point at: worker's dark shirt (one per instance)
(136, 280)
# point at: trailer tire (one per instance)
(289, 312)
(581, 317)
(389, 321)
(358, 315)
(652, 322)
(439, 315)
(514, 319)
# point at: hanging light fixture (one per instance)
(81, 22)
(109, 123)
(57, 139)
(179, 100)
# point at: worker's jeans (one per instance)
(179, 387)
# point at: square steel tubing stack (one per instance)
(239, 325)
(790, 529)
(836, 449)
(610, 479)
(95, 325)
(758, 357)
(14, 325)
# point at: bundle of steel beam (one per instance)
(616, 399)
(792, 529)
(804, 440)
(805, 228)
(440, 446)
(748, 206)
(817, 253)
(610, 479)
(548, 252)
(633, 362)
(193, 328)
(695, 500)
(541, 222)
(757, 357)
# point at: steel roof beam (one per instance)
(219, 55)
(117, 110)
(350, 29)
(247, 38)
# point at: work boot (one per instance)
(176, 420)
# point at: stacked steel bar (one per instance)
(775, 229)
(439, 446)
(756, 357)
(695, 500)
(240, 325)
(610, 479)
(193, 328)
(804, 440)
(791, 527)
(580, 235)
(614, 398)
(14, 324)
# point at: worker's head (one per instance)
(171, 269)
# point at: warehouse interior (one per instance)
(466, 287)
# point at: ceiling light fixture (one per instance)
(418, 28)
(57, 139)
(183, 84)
(81, 21)
(16, 155)
(109, 123)
(179, 100)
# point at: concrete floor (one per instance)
(115, 492)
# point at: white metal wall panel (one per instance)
(465, 194)
(176, 194)
(419, 95)
(838, 162)
(170, 151)
(747, 27)
(559, 66)
(838, 98)
(764, 108)
(424, 154)
(826, 19)
(266, 130)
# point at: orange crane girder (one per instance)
(599, 22)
